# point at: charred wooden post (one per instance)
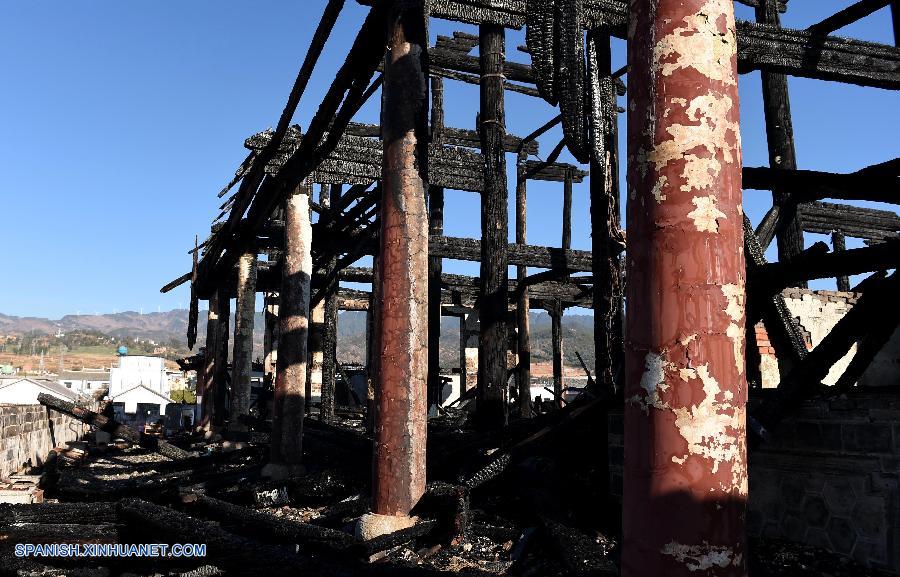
(289, 407)
(242, 356)
(222, 376)
(685, 476)
(839, 242)
(435, 267)
(895, 16)
(567, 211)
(523, 306)
(492, 341)
(435, 263)
(270, 337)
(207, 393)
(556, 313)
(607, 239)
(780, 138)
(329, 333)
(401, 395)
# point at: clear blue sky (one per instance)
(120, 122)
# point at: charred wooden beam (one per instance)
(792, 52)
(802, 53)
(473, 79)
(448, 135)
(254, 175)
(813, 264)
(342, 100)
(260, 525)
(780, 141)
(67, 513)
(357, 159)
(784, 334)
(113, 427)
(782, 5)
(526, 255)
(879, 330)
(847, 16)
(859, 222)
(239, 554)
(812, 185)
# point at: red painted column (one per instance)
(685, 483)
(401, 391)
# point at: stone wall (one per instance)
(29, 432)
(829, 477)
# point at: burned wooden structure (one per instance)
(383, 196)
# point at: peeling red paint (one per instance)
(685, 481)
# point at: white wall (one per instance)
(23, 392)
(136, 370)
(140, 395)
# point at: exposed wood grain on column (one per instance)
(401, 420)
(289, 405)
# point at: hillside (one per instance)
(101, 334)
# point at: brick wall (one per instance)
(29, 432)
(816, 313)
(829, 478)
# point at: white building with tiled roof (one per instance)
(25, 391)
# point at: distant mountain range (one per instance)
(160, 327)
(169, 326)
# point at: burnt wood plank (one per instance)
(867, 223)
